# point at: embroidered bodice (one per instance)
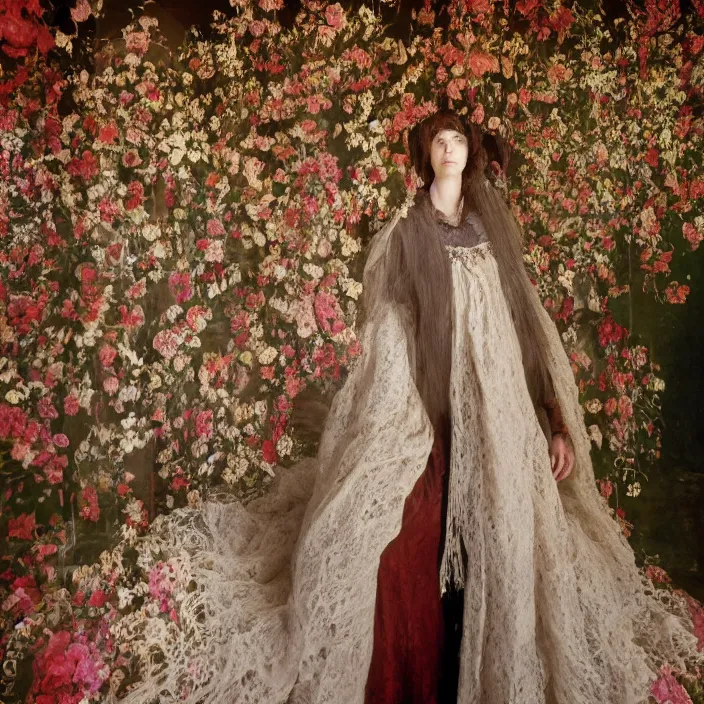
(468, 233)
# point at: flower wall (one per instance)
(181, 253)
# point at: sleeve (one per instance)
(557, 424)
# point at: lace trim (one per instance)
(469, 255)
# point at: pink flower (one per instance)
(327, 308)
(45, 550)
(12, 421)
(696, 611)
(22, 527)
(377, 175)
(81, 12)
(108, 133)
(86, 167)
(358, 56)
(335, 16)
(22, 33)
(214, 252)
(692, 235)
(197, 317)
(257, 28)
(214, 228)
(137, 290)
(625, 407)
(166, 343)
(90, 509)
(606, 488)
(107, 355)
(610, 406)
(667, 690)
(46, 409)
(525, 7)
(657, 574)
(254, 300)
(71, 405)
(19, 451)
(180, 286)
(51, 668)
(478, 114)
(138, 42)
(131, 158)
(610, 332)
(676, 293)
(111, 385)
(135, 191)
(561, 19)
(89, 670)
(481, 63)
(60, 440)
(63, 664)
(204, 424)
(98, 598)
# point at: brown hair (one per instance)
(419, 274)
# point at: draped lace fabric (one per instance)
(555, 610)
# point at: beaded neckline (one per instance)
(468, 255)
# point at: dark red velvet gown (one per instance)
(416, 631)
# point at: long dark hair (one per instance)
(419, 274)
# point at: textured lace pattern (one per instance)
(546, 617)
(555, 611)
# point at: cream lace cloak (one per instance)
(555, 610)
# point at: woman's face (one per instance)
(448, 153)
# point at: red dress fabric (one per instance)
(416, 631)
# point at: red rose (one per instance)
(22, 527)
(98, 599)
(269, 452)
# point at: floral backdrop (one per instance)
(182, 237)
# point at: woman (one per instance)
(431, 491)
(416, 639)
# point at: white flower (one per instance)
(214, 252)
(633, 489)
(176, 156)
(284, 446)
(151, 232)
(313, 270)
(124, 597)
(128, 422)
(12, 397)
(656, 384)
(595, 434)
(352, 288)
(268, 355)
(279, 304)
(172, 312)
(593, 405)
